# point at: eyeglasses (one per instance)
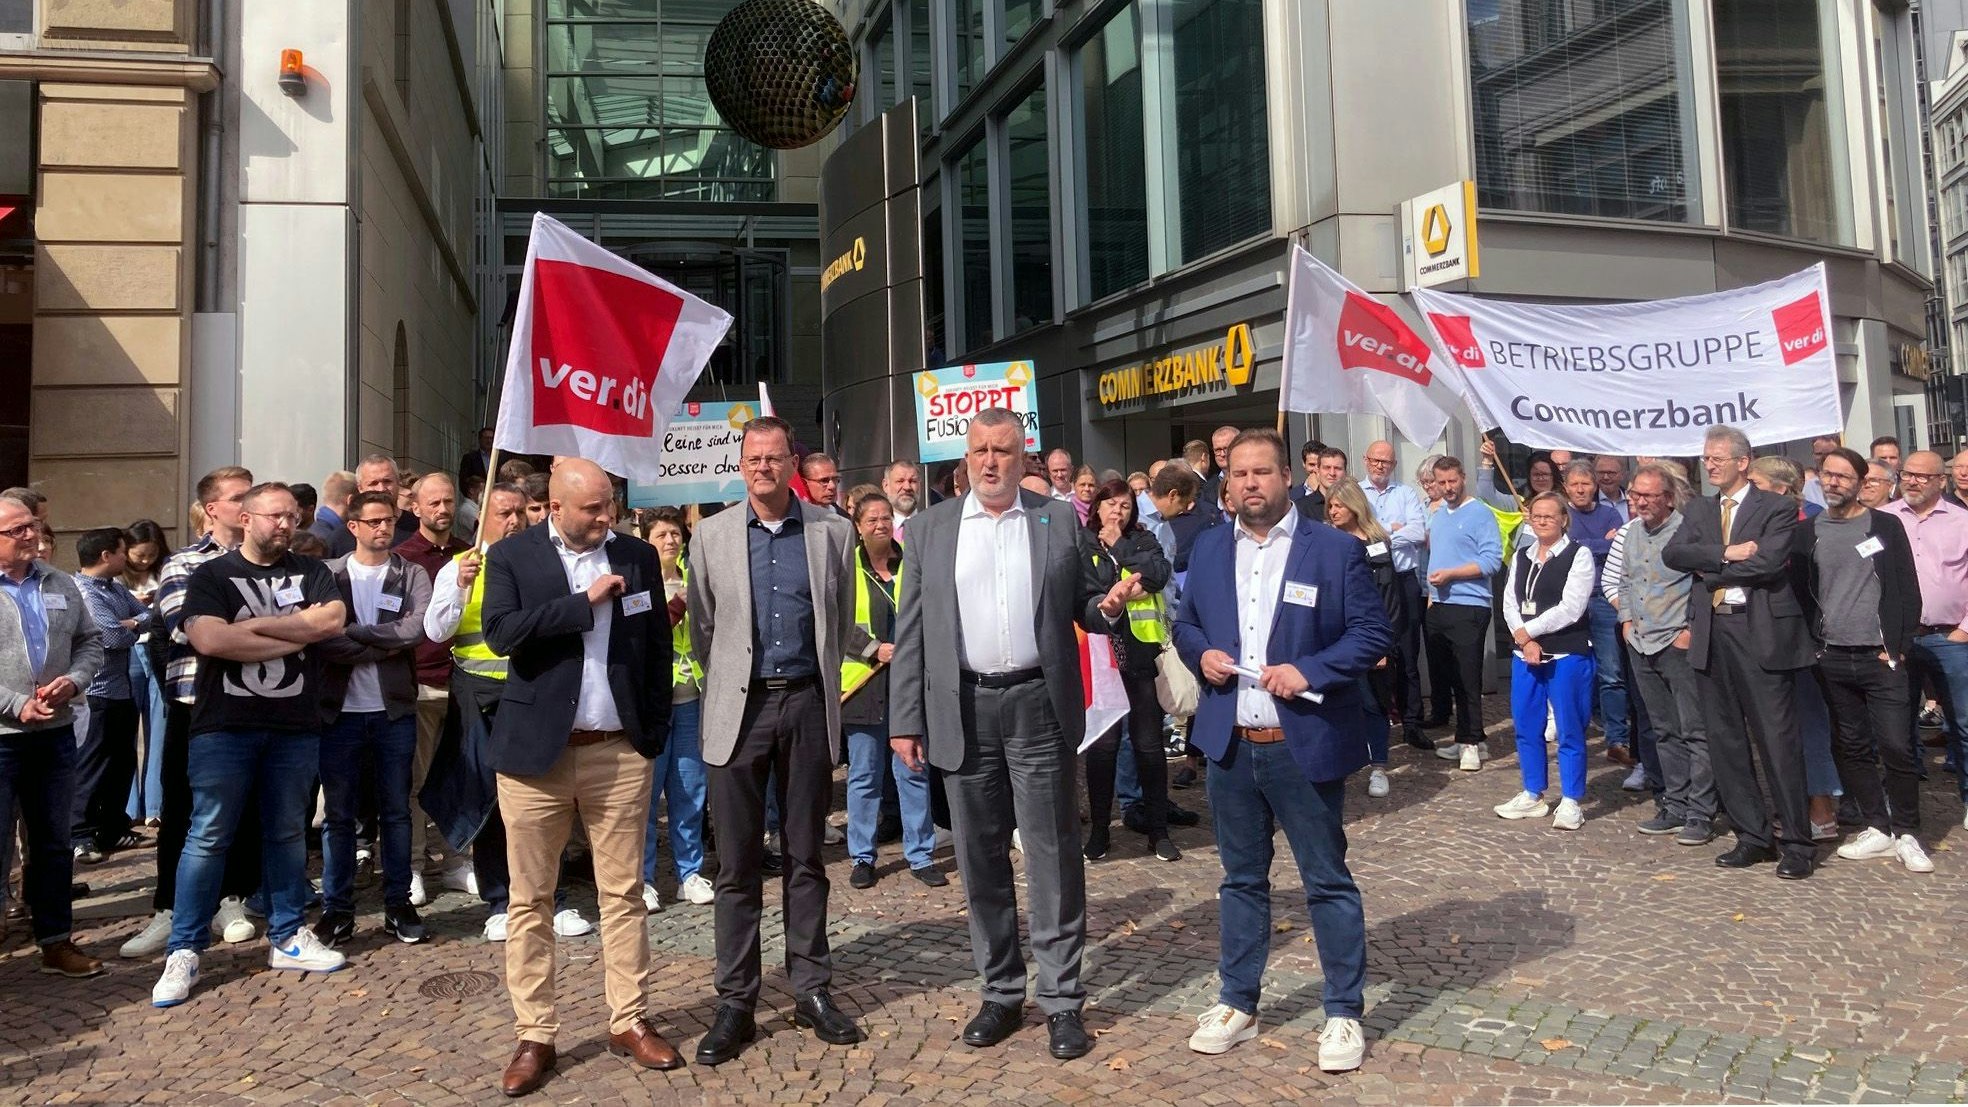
(1547, 518)
(291, 518)
(1908, 474)
(373, 522)
(1633, 495)
(1380, 461)
(1711, 459)
(764, 461)
(1877, 480)
(824, 480)
(26, 532)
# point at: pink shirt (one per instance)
(1940, 556)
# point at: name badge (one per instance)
(1528, 607)
(54, 601)
(1304, 595)
(288, 595)
(1870, 546)
(387, 602)
(635, 603)
(1375, 549)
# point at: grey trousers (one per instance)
(1019, 771)
(1672, 693)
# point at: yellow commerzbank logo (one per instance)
(851, 260)
(1226, 363)
(1435, 230)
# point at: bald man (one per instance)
(577, 610)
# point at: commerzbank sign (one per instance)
(1219, 366)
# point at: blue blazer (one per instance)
(1334, 644)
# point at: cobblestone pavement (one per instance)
(1509, 963)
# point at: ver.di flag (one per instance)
(1347, 351)
(602, 354)
(1100, 681)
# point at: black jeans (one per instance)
(242, 871)
(104, 767)
(1144, 723)
(1870, 726)
(1455, 659)
(1406, 658)
(37, 784)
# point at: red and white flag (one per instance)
(1348, 351)
(1100, 682)
(602, 354)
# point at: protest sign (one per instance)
(947, 399)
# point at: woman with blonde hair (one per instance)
(1348, 511)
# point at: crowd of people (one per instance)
(444, 684)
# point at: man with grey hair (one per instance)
(823, 481)
(1880, 485)
(1748, 638)
(902, 484)
(1059, 470)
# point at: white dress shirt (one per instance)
(1260, 583)
(595, 709)
(447, 606)
(997, 604)
(1737, 595)
(1572, 605)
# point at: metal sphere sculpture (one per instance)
(781, 72)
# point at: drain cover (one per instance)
(459, 985)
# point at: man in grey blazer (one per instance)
(986, 679)
(771, 599)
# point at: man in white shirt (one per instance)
(1403, 513)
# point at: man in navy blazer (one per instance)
(1290, 602)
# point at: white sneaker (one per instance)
(495, 927)
(1964, 822)
(1449, 751)
(1636, 781)
(1912, 856)
(570, 924)
(833, 836)
(1471, 758)
(230, 923)
(652, 901)
(1377, 786)
(1341, 1045)
(363, 859)
(1221, 1027)
(305, 953)
(1523, 805)
(180, 973)
(1568, 816)
(772, 841)
(1017, 843)
(419, 895)
(151, 940)
(1869, 845)
(697, 890)
(461, 878)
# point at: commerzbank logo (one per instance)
(1225, 364)
(1435, 230)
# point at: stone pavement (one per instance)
(1508, 963)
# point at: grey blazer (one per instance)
(74, 650)
(721, 594)
(924, 679)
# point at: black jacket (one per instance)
(1139, 553)
(1776, 615)
(536, 621)
(1899, 581)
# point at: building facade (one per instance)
(1109, 188)
(1948, 95)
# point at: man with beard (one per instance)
(432, 548)
(902, 484)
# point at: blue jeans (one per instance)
(1127, 779)
(225, 768)
(679, 774)
(867, 747)
(37, 782)
(147, 790)
(358, 742)
(1607, 650)
(1253, 791)
(1814, 734)
(1565, 687)
(1948, 663)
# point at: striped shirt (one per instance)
(181, 670)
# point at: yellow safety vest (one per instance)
(685, 668)
(854, 671)
(1145, 615)
(468, 649)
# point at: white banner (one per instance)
(1346, 351)
(1646, 378)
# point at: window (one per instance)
(1030, 185)
(967, 52)
(1116, 218)
(921, 79)
(973, 183)
(402, 60)
(1781, 146)
(1222, 151)
(936, 342)
(628, 116)
(1019, 17)
(1583, 107)
(16, 17)
(880, 68)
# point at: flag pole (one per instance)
(485, 499)
(1508, 480)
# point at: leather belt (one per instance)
(1011, 679)
(1941, 629)
(592, 737)
(1730, 608)
(1873, 649)
(782, 684)
(1259, 735)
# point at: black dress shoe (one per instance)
(931, 876)
(1096, 844)
(862, 875)
(1069, 1036)
(1743, 856)
(769, 863)
(403, 924)
(335, 928)
(1795, 866)
(1412, 734)
(994, 1023)
(829, 1023)
(730, 1032)
(1178, 816)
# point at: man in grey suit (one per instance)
(770, 599)
(986, 679)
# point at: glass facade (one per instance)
(1115, 170)
(973, 182)
(1030, 184)
(1781, 147)
(1222, 149)
(627, 113)
(922, 83)
(967, 52)
(1583, 107)
(1019, 17)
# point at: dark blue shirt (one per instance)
(1591, 529)
(782, 600)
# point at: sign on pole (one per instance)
(947, 400)
(1438, 236)
(700, 458)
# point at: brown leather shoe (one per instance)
(529, 1067)
(63, 959)
(640, 1043)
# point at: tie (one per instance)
(1728, 520)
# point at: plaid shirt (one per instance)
(181, 671)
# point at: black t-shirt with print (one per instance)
(280, 694)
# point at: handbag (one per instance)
(1176, 688)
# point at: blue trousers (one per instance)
(37, 783)
(226, 768)
(679, 775)
(1254, 791)
(359, 743)
(147, 789)
(1565, 687)
(867, 749)
(1611, 670)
